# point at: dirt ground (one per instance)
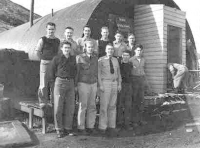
(169, 131)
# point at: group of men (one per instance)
(113, 71)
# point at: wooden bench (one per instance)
(33, 108)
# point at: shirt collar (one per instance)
(85, 39)
(104, 40)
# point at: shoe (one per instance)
(102, 131)
(128, 128)
(60, 134)
(82, 132)
(92, 131)
(113, 132)
(69, 132)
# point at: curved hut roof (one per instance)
(92, 12)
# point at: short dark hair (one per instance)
(69, 28)
(109, 44)
(104, 27)
(65, 42)
(118, 32)
(51, 24)
(127, 51)
(130, 34)
(138, 46)
(86, 26)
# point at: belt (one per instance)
(68, 79)
(112, 80)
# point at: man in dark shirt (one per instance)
(62, 74)
(124, 101)
(47, 48)
(103, 41)
(87, 74)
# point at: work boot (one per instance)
(60, 134)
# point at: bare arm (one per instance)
(99, 74)
(39, 48)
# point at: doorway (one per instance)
(174, 49)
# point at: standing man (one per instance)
(109, 78)
(69, 31)
(87, 76)
(138, 81)
(62, 74)
(179, 75)
(124, 102)
(86, 37)
(119, 45)
(47, 48)
(131, 43)
(103, 41)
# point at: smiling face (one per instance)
(86, 32)
(69, 33)
(104, 32)
(125, 56)
(66, 48)
(109, 50)
(118, 37)
(89, 47)
(50, 30)
(138, 52)
(131, 39)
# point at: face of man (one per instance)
(104, 33)
(118, 37)
(66, 48)
(125, 56)
(109, 50)
(89, 47)
(69, 33)
(131, 39)
(138, 52)
(50, 30)
(86, 32)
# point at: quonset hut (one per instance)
(159, 25)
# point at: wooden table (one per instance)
(33, 108)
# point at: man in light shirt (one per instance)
(109, 78)
(69, 31)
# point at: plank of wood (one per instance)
(151, 16)
(170, 13)
(159, 30)
(174, 10)
(149, 21)
(147, 26)
(163, 54)
(174, 23)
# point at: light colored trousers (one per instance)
(87, 105)
(181, 78)
(108, 100)
(43, 88)
(64, 103)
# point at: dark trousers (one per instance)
(124, 105)
(137, 98)
(64, 103)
